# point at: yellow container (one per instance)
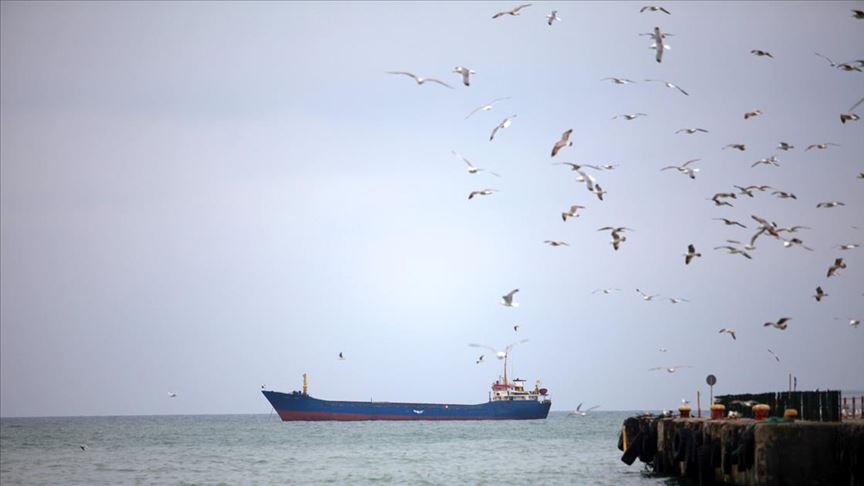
(684, 411)
(760, 411)
(790, 414)
(717, 411)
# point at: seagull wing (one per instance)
(463, 158)
(511, 345)
(685, 164)
(411, 75)
(490, 348)
(826, 58)
(475, 110)
(433, 80)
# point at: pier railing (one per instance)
(822, 406)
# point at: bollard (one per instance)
(760, 411)
(684, 411)
(717, 411)
(790, 414)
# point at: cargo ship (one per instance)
(508, 400)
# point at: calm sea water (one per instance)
(243, 449)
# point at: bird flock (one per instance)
(763, 230)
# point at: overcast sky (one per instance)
(203, 198)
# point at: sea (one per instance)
(260, 449)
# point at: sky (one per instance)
(207, 198)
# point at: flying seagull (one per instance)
(780, 324)
(730, 332)
(646, 297)
(848, 246)
(751, 114)
(480, 359)
(466, 73)
(677, 300)
(820, 294)
(553, 17)
(767, 161)
(670, 369)
(723, 195)
(577, 167)
(729, 222)
(471, 168)
(784, 195)
(691, 254)
(341, 356)
(499, 353)
(420, 80)
(629, 116)
(482, 192)
(691, 131)
(761, 53)
(671, 85)
(733, 251)
(657, 36)
(507, 299)
(820, 146)
(563, 142)
(844, 117)
(504, 124)
(572, 213)
(774, 354)
(487, 106)
(838, 264)
(581, 413)
(737, 146)
(830, 204)
(795, 241)
(556, 243)
(606, 291)
(516, 328)
(652, 8)
(690, 171)
(172, 395)
(858, 14)
(619, 80)
(843, 66)
(617, 239)
(748, 191)
(514, 11)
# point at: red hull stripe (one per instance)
(288, 416)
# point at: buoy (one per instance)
(760, 411)
(717, 411)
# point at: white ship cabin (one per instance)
(515, 390)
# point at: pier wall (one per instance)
(749, 453)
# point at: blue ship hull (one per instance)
(299, 406)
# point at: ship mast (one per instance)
(505, 367)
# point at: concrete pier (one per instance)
(747, 452)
